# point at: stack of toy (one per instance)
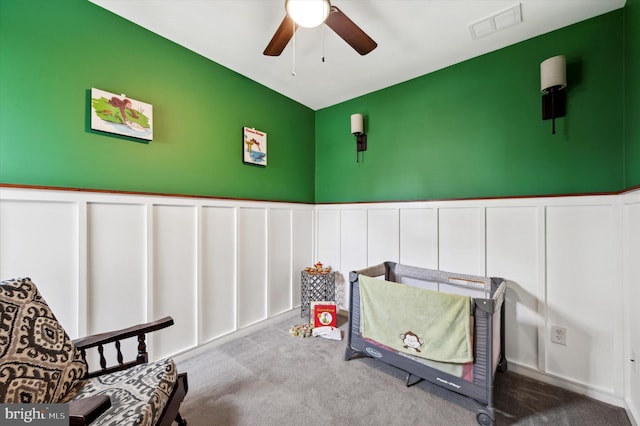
(302, 330)
(318, 268)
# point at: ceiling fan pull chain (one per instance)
(322, 42)
(293, 49)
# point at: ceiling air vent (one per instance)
(501, 20)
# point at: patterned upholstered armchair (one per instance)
(40, 364)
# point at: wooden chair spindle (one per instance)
(103, 361)
(119, 356)
(142, 348)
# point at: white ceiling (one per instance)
(415, 37)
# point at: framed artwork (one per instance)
(120, 115)
(254, 147)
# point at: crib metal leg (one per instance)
(350, 354)
(502, 364)
(408, 381)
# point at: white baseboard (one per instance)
(634, 416)
(568, 385)
(632, 413)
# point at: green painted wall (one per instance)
(475, 129)
(632, 93)
(53, 52)
(471, 130)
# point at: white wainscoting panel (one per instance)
(328, 238)
(106, 261)
(513, 239)
(116, 268)
(174, 284)
(353, 248)
(632, 299)
(383, 236)
(218, 281)
(279, 254)
(39, 239)
(252, 265)
(116, 248)
(461, 240)
(220, 265)
(302, 255)
(584, 295)
(419, 237)
(561, 257)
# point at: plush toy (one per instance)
(302, 330)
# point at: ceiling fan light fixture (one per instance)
(308, 13)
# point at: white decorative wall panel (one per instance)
(383, 236)
(513, 239)
(419, 237)
(537, 253)
(173, 286)
(328, 234)
(220, 265)
(328, 237)
(109, 260)
(461, 240)
(116, 268)
(302, 255)
(252, 265)
(632, 298)
(279, 254)
(218, 280)
(39, 239)
(353, 248)
(584, 294)
(116, 259)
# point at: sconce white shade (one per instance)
(553, 73)
(308, 13)
(357, 124)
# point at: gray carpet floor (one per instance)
(269, 377)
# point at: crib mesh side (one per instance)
(397, 271)
(481, 354)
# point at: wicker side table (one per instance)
(316, 287)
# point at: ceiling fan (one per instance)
(311, 13)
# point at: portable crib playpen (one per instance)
(485, 295)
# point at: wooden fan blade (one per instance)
(350, 32)
(281, 37)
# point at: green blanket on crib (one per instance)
(416, 321)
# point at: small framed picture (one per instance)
(121, 115)
(254, 147)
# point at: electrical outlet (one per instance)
(558, 335)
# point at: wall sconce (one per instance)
(357, 128)
(553, 79)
